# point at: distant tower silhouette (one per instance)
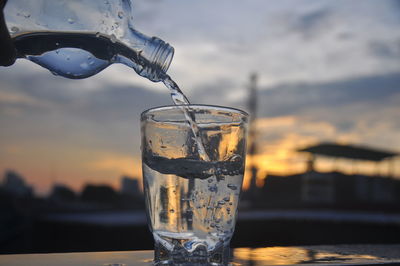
(252, 107)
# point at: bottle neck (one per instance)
(154, 56)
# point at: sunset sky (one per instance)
(328, 71)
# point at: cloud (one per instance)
(313, 23)
(292, 98)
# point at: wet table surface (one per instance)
(316, 255)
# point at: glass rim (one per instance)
(205, 106)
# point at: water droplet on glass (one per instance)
(57, 51)
(54, 73)
(227, 198)
(27, 15)
(57, 44)
(67, 58)
(113, 38)
(84, 65)
(213, 188)
(120, 14)
(97, 34)
(91, 63)
(232, 186)
(221, 202)
(14, 29)
(210, 180)
(171, 210)
(89, 57)
(71, 21)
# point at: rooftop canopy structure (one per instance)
(349, 152)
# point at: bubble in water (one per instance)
(235, 158)
(57, 44)
(71, 21)
(14, 29)
(232, 186)
(120, 14)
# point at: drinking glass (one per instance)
(191, 202)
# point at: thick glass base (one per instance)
(200, 256)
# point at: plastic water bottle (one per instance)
(79, 38)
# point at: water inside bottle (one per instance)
(78, 55)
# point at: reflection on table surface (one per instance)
(334, 254)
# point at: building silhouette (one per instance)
(14, 183)
(130, 186)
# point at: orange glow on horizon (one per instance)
(44, 163)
